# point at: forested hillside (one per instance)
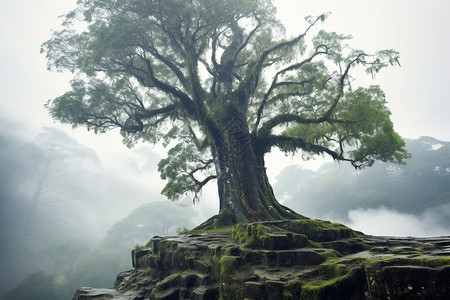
(57, 203)
(422, 186)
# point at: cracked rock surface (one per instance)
(304, 259)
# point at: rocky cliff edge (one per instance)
(304, 259)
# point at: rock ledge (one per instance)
(304, 259)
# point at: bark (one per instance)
(245, 193)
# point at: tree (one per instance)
(57, 160)
(211, 79)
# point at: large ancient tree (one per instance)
(217, 82)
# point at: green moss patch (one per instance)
(320, 231)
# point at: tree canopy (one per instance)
(219, 83)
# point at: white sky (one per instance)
(418, 93)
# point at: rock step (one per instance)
(205, 292)
(284, 258)
(87, 293)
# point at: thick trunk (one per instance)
(244, 190)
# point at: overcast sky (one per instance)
(418, 92)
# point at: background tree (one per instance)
(56, 159)
(214, 77)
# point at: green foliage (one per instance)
(180, 167)
(367, 130)
(181, 70)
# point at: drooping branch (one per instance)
(205, 181)
(287, 143)
(204, 166)
(338, 97)
(293, 118)
(186, 169)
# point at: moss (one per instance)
(330, 254)
(251, 235)
(406, 278)
(336, 281)
(292, 289)
(332, 269)
(320, 231)
(406, 251)
(240, 233)
(232, 275)
(316, 288)
(267, 236)
(416, 261)
(347, 246)
(224, 229)
(228, 264)
(140, 247)
(433, 262)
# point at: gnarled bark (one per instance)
(244, 190)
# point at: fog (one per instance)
(75, 181)
(385, 222)
(94, 182)
(67, 214)
(386, 199)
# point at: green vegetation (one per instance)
(406, 251)
(208, 230)
(425, 262)
(320, 231)
(220, 79)
(257, 261)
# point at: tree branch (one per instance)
(205, 181)
(254, 71)
(325, 117)
(245, 43)
(287, 143)
(169, 64)
(148, 79)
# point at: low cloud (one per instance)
(382, 221)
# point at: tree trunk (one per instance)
(244, 190)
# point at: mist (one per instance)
(386, 199)
(70, 219)
(98, 199)
(66, 213)
(385, 222)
